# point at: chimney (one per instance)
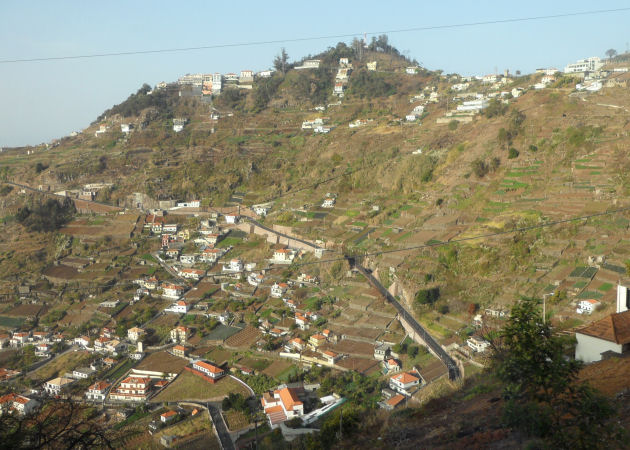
(622, 298)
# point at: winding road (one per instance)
(436, 348)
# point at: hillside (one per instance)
(457, 212)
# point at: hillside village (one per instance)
(246, 256)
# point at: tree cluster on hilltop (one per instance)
(135, 103)
(48, 216)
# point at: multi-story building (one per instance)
(132, 389)
(97, 391)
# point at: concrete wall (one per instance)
(274, 238)
(589, 348)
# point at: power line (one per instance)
(314, 38)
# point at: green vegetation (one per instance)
(366, 84)
(427, 296)
(48, 216)
(543, 395)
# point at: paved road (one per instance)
(219, 424)
(52, 194)
(451, 365)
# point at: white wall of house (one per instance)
(589, 348)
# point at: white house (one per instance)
(57, 385)
(133, 388)
(172, 290)
(261, 210)
(584, 65)
(194, 274)
(180, 307)
(255, 279)
(135, 334)
(409, 118)
(371, 66)
(169, 228)
(232, 218)
(97, 391)
(126, 127)
(82, 341)
(587, 306)
(328, 202)
(610, 334)
(83, 373)
(168, 416)
(209, 369)
(473, 105)
(265, 73)
(477, 344)
(15, 402)
(278, 289)
(404, 382)
(309, 64)
(235, 265)
(187, 259)
(281, 405)
(283, 256)
(411, 70)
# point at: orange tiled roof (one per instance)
(406, 377)
(289, 398)
(395, 400)
(614, 328)
(211, 367)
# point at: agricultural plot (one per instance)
(355, 348)
(221, 332)
(362, 365)
(26, 310)
(244, 338)
(60, 365)
(162, 362)
(276, 368)
(10, 322)
(235, 420)
(583, 272)
(188, 386)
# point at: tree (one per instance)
(541, 388)
(58, 424)
(281, 60)
(611, 53)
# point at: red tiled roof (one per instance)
(395, 400)
(614, 328)
(168, 414)
(406, 377)
(289, 398)
(210, 367)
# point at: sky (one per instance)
(40, 101)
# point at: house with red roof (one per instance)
(210, 370)
(132, 389)
(405, 382)
(19, 403)
(97, 391)
(587, 306)
(281, 405)
(168, 416)
(610, 334)
(278, 289)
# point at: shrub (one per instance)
(452, 125)
(428, 296)
(480, 168)
(512, 153)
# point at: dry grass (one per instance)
(60, 365)
(235, 420)
(189, 386)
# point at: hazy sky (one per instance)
(40, 101)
